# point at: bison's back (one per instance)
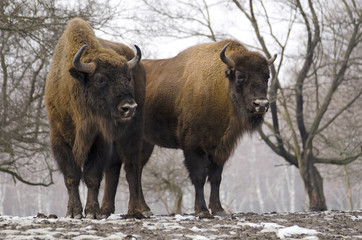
(119, 48)
(187, 98)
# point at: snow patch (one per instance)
(356, 218)
(195, 229)
(179, 217)
(114, 217)
(197, 237)
(271, 227)
(117, 236)
(294, 230)
(81, 237)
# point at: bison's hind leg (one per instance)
(74, 209)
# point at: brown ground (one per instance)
(327, 225)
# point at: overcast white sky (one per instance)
(232, 23)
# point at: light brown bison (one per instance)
(202, 101)
(94, 97)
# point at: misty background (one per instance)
(266, 171)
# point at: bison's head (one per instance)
(105, 85)
(248, 75)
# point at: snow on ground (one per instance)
(308, 226)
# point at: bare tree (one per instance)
(188, 19)
(29, 31)
(328, 64)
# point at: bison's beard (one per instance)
(256, 120)
(112, 128)
(249, 117)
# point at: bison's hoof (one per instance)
(74, 211)
(104, 216)
(93, 215)
(220, 214)
(136, 215)
(106, 211)
(90, 216)
(78, 216)
(204, 214)
(147, 213)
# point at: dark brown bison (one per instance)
(94, 97)
(202, 101)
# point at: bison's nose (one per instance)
(127, 109)
(261, 105)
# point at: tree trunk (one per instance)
(313, 184)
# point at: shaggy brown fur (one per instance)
(197, 103)
(90, 116)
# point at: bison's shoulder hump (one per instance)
(77, 33)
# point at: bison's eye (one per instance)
(240, 77)
(100, 80)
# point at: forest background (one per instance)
(306, 157)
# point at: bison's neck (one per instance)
(238, 125)
(102, 127)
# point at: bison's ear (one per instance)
(80, 76)
(229, 73)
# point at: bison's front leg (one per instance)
(72, 173)
(130, 150)
(137, 207)
(196, 163)
(133, 175)
(145, 154)
(214, 173)
(93, 172)
(112, 172)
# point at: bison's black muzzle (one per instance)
(126, 109)
(261, 106)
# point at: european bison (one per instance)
(94, 97)
(202, 101)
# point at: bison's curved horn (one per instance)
(82, 67)
(225, 59)
(271, 60)
(134, 61)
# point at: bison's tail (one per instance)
(79, 158)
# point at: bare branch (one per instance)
(339, 161)
(339, 113)
(21, 179)
(313, 40)
(337, 80)
(280, 151)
